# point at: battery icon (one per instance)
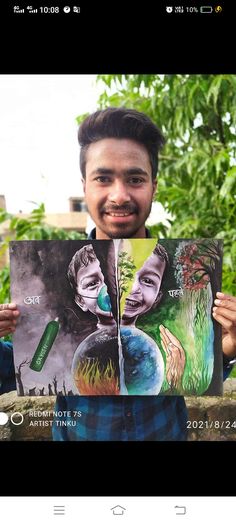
(206, 9)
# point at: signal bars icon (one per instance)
(17, 9)
(31, 10)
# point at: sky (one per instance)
(39, 160)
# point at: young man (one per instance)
(119, 160)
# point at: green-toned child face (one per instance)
(146, 288)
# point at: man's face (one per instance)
(145, 288)
(118, 187)
(89, 282)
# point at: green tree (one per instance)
(32, 228)
(197, 175)
(126, 271)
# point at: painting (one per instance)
(117, 317)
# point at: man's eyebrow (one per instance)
(102, 171)
(130, 171)
(136, 171)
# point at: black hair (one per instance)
(120, 122)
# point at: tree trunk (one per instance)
(20, 384)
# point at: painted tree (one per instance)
(197, 264)
(50, 390)
(55, 384)
(126, 271)
(198, 271)
(19, 376)
(64, 388)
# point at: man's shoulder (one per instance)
(7, 372)
(6, 355)
(5, 346)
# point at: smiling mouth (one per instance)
(120, 214)
(129, 304)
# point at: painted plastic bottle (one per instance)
(45, 344)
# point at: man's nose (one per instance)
(119, 193)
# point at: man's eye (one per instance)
(135, 180)
(103, 179)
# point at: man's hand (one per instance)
(225, 313)
(8, 318)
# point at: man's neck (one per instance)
(93, 235)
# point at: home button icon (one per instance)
(118, 510)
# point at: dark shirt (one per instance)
(7, 375)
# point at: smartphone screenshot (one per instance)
(117, 262)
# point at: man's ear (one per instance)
(83, 183)
(80, 302)
(154, 186)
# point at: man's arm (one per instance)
(224, 312)
(8, 318)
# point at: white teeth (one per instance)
(119, 214)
